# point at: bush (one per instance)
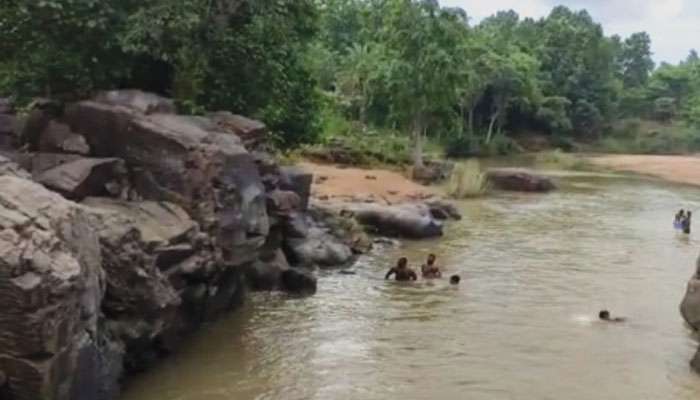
(559, 159)
(467, 180)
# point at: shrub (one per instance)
(467, 180)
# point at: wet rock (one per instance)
(146, 103)
(443, 210)
(409, 220)
(298, 281)
(87, 177)
(52, 286)
(319, 249)
(518, 180)
(690, 306)
(58, 138)
(267, 274)
(173, 158)
(251, 132)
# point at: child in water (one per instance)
(430, 270)
(402, 272)
(678, 220)
(604, 315)
(454, 279)
(686, 222)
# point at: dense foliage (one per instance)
(371, 67)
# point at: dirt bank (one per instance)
(356, 184)
(680, 169)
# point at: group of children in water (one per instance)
(429, 270)
(682, 221)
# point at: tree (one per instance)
(637, 63)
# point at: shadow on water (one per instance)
(521, 325)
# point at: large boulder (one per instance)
(690, 306)
(85, 177)
(318, 248)
(51, 289)
(413, 221)
(518, 180)
(251, 132)
(178, 159)
(57, 137)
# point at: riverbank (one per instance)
(356, 184)
(678, 169)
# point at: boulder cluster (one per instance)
(124, 226)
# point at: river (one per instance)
(536, 270)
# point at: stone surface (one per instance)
(57, 137)
(408, 220)
(174, 159)
(519, 180)
(251, 132)
(8, 167)
(299, 181)
(51, 289)
(87, 177)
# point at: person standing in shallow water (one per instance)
(430, 270)
(678, 220)
(686, 222)
(402, 272)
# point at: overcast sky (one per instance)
(674, 25)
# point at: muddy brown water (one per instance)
(522, 325)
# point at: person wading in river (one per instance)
(429, 269)
(402, 272)
(678, 221)
(686, 222)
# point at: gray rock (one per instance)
(209, 174)
(87, 177)
(267, 274)
(251, 132)
(52, 287)
(58, 138)
(519, 180)
(299, 182)
(408, 220)
(318, 248)
(8, 167)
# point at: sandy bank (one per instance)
(358, 184)
(680, 169)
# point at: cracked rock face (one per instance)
(51, 288)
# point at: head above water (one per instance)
(454, 279)
(604, 315)
(402, 263)
(431, 259)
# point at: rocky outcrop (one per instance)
(518, 180)
(176, 215)
(51, 288)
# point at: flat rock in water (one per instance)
(519, 180)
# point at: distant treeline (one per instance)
(381, 65)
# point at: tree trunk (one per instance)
(418, 142)
(470, 125)
(494, 118)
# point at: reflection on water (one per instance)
(536, 270)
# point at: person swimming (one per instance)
(402, 272)
(454, 280)
(604, 315)
(429, 270)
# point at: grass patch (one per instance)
(560, 160)
(635, 136)
(467, 181)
